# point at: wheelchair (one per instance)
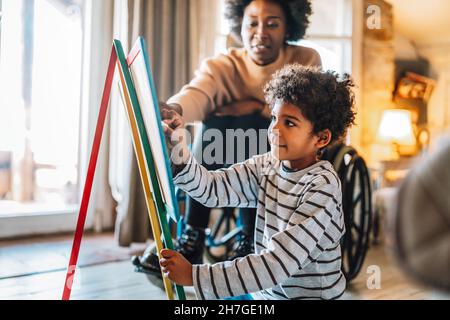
(223, 234)
(356, 204)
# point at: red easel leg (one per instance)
(90, 177)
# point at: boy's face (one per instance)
(263, 31)
(291, 136)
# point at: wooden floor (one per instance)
(117, 280)
(44, 254)
(394, 285)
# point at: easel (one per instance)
(157, 210)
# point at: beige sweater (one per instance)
(233, 77)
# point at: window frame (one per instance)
(1, 15)
(34, 219)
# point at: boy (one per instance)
(298, 197)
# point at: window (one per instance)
(41, 47)
(330, 33)
(223, 30)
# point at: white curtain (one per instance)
(97, 49)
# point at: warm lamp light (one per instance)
(396, 129)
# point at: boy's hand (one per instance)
(176, 136)
(172, 121)
(176, 267)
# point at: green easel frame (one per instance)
(161, 207)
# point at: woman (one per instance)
(227, 93)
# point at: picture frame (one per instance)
(414, 87)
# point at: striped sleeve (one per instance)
(236, 186)
(288, 251)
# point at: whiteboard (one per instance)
(139, 66)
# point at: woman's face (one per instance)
(263, 31)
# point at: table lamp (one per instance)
(396, 128)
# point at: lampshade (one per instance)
(396, 127)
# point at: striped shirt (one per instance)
(298, 228)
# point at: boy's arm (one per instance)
(236, 186)
(288, 251)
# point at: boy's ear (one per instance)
(324, 138)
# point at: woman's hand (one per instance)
(176, 267)
(240, 108)
(170, 107)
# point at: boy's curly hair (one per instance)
(324, 99)
(297, 16)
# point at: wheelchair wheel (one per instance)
(357, 208)
(222, 236)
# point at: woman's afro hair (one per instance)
(297, 16)
(324, 99)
